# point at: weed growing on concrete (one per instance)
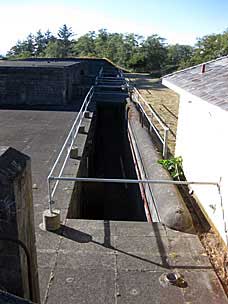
(174, 166)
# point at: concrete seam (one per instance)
(117, 293)
(52, 274)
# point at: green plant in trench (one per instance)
(174, 166)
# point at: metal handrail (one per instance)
(164, 140)
(131, 181)
(68, 144)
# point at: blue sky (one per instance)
(179, 21)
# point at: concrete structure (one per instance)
(90, 259)
(128, 262)
(40, 82)
(7, 298)
(201, 134)
(19, 271)
(50, 81)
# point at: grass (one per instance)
(164, 101)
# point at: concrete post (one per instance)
(18, 260)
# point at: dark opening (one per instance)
(109, 157)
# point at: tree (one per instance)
(23, 49)
(65, 34)
(85, 45)
(132, 51)
(177, 56)
(40, 43)
(155, 52)
(101, 43)
(29, 44)
(54, 49)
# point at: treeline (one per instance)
(152, 54)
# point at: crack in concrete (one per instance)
(52, 274)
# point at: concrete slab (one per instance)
(79, 260)
(125, 262)
(40, 134)
(141, 262)
(144, 287)
(140, 229)
(148, 245)
(93, 286)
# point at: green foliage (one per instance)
(155, 52)
(54, 50)
(174, 166)
(134, 52)
(85, 45)
(65, 35)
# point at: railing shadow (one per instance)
(82, 237)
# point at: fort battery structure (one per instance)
(87, 215)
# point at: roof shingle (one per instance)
(211, 86)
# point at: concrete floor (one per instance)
(39, 134)
(126, 262)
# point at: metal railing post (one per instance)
(150, 119)
(142, 117)
(165, 143)
(49, 195)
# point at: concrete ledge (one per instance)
(170, 205)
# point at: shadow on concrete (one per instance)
(73, 234)
(82, 237)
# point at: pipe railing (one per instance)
(64, 153)
(137, 98)
(66, 147)
(132, 181)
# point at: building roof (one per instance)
(40, 64)
(211, 86)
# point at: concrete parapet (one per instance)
(18, 261)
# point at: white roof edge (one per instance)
(194, 66)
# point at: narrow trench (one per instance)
(109, 157)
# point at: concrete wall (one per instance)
(41, 85)
(203, 144)
(22, 83)
(32, 86)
